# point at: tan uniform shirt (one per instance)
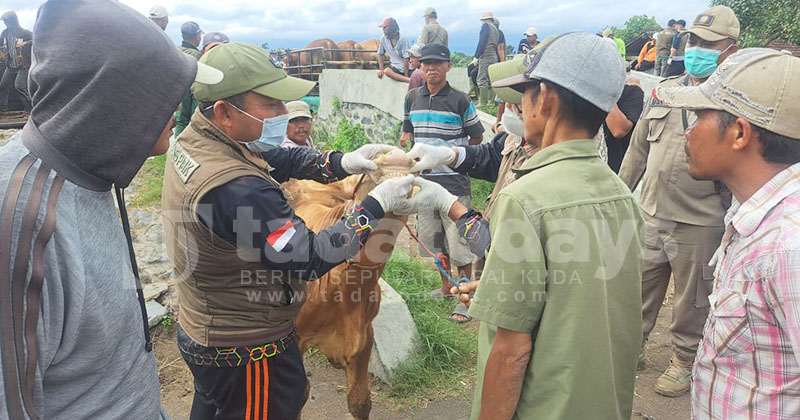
(514, 155)
(656, 157)
(434, 33)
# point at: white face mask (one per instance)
(513, 124)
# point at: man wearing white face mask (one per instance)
(684, 217)
(240, 253)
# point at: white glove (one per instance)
(430, 196)
(430, 156)
(360, 161)
(669, 60)
(392, 194)
(474, 61)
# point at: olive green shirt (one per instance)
(433, 33)
(189, 103)
(565, 266)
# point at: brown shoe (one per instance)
(677, 379)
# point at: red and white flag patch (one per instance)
(278, 239)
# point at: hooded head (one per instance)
(101, 98)
(10, 19)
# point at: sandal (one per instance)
(437, 294)
(460, 309)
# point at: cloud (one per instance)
(295, 24)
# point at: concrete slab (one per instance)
(395, 334)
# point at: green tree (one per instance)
(634, 26)
(763, 21)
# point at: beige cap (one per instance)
(760, 85)
(716, 24)
(298, 109)
(607, 32)
(416, 50)
(429, 11)
(157, 12)
(487, 15)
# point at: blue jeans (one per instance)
(19, 79)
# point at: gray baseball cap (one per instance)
(583, 63)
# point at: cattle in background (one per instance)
(337, 316)
(371, 57)
(348, 56)
(316, 57)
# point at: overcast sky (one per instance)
(294, 23)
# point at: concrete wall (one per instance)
(377, 104)
(364, 87)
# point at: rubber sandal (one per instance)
(437, 294)
(460, 309)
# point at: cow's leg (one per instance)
(358, 395)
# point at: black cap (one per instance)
(681, 22)
(435, 51)
(671, 22)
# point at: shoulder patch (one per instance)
(655, 103)
(183, 163)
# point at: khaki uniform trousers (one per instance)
(683, 251)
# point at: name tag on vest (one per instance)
(182, 161)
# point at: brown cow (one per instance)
(370, 60)
(348, 56)
(337, 316)
(313, 57)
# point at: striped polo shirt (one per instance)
(446, 119)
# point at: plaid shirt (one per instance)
(748, 364)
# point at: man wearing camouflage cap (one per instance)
(683, 216)
(747, 135)
(231, 235)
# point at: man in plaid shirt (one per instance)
(747, 135)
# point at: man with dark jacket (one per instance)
(486, 54)
(75, 340)
(241, 255)
(15, 42)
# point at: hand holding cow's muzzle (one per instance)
(429, 157)
(360, 160)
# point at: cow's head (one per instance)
(322, 205)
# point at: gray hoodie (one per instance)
(104, 82)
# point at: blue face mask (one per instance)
(273, 131)
(701, 62)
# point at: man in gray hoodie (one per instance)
(74, 342)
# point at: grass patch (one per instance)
(489, 109)
(152, 176)
(480, 193)
(444, 363)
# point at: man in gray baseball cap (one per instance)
(560, 295)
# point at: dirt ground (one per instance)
(328, 398)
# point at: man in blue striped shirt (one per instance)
(439, 115)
